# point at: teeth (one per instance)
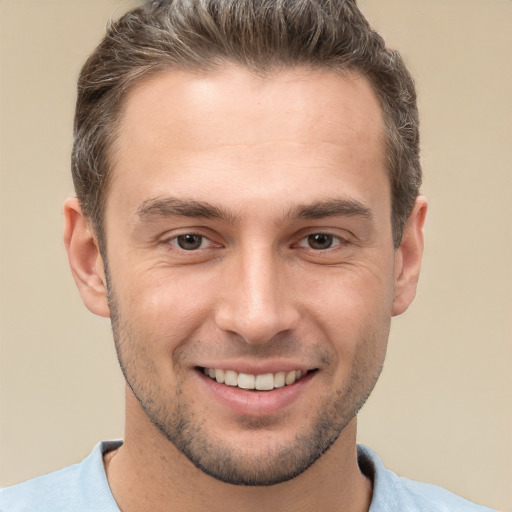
(290, 378)
(265, 382)
(279, 379)
(246, 381)
(231, 378)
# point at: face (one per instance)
(251, 268)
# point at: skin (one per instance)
(256, 167)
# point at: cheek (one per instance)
(350, 298)
(353, 314)
(165, 308)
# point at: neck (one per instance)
(147, 473)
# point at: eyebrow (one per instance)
(332, 208)
(172, 206)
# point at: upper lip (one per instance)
(257, 368)
(251, 368)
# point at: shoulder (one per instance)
(391, 492)
(76, 488)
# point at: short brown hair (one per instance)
(260, 35)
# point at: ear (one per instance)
(85, 259)
(408, 258)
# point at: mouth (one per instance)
(263, 382)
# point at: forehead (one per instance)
(298, 127)
(189, 104)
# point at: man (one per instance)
(248, 215)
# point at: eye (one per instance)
(190, 242)
(320, 241)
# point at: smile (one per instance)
(265, 382)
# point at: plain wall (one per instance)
(441, 411)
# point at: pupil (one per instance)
(189, 242)
(320, 241)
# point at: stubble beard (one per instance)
(179, 424)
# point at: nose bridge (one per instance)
(256, 302)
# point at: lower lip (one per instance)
(256, 403)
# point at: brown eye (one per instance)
(189, 242)
(320, 241)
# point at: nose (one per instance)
(256, 300)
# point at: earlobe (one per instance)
(408, 258)
(85, 259)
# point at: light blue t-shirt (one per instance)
(84, 487)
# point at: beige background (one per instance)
(442, 410)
